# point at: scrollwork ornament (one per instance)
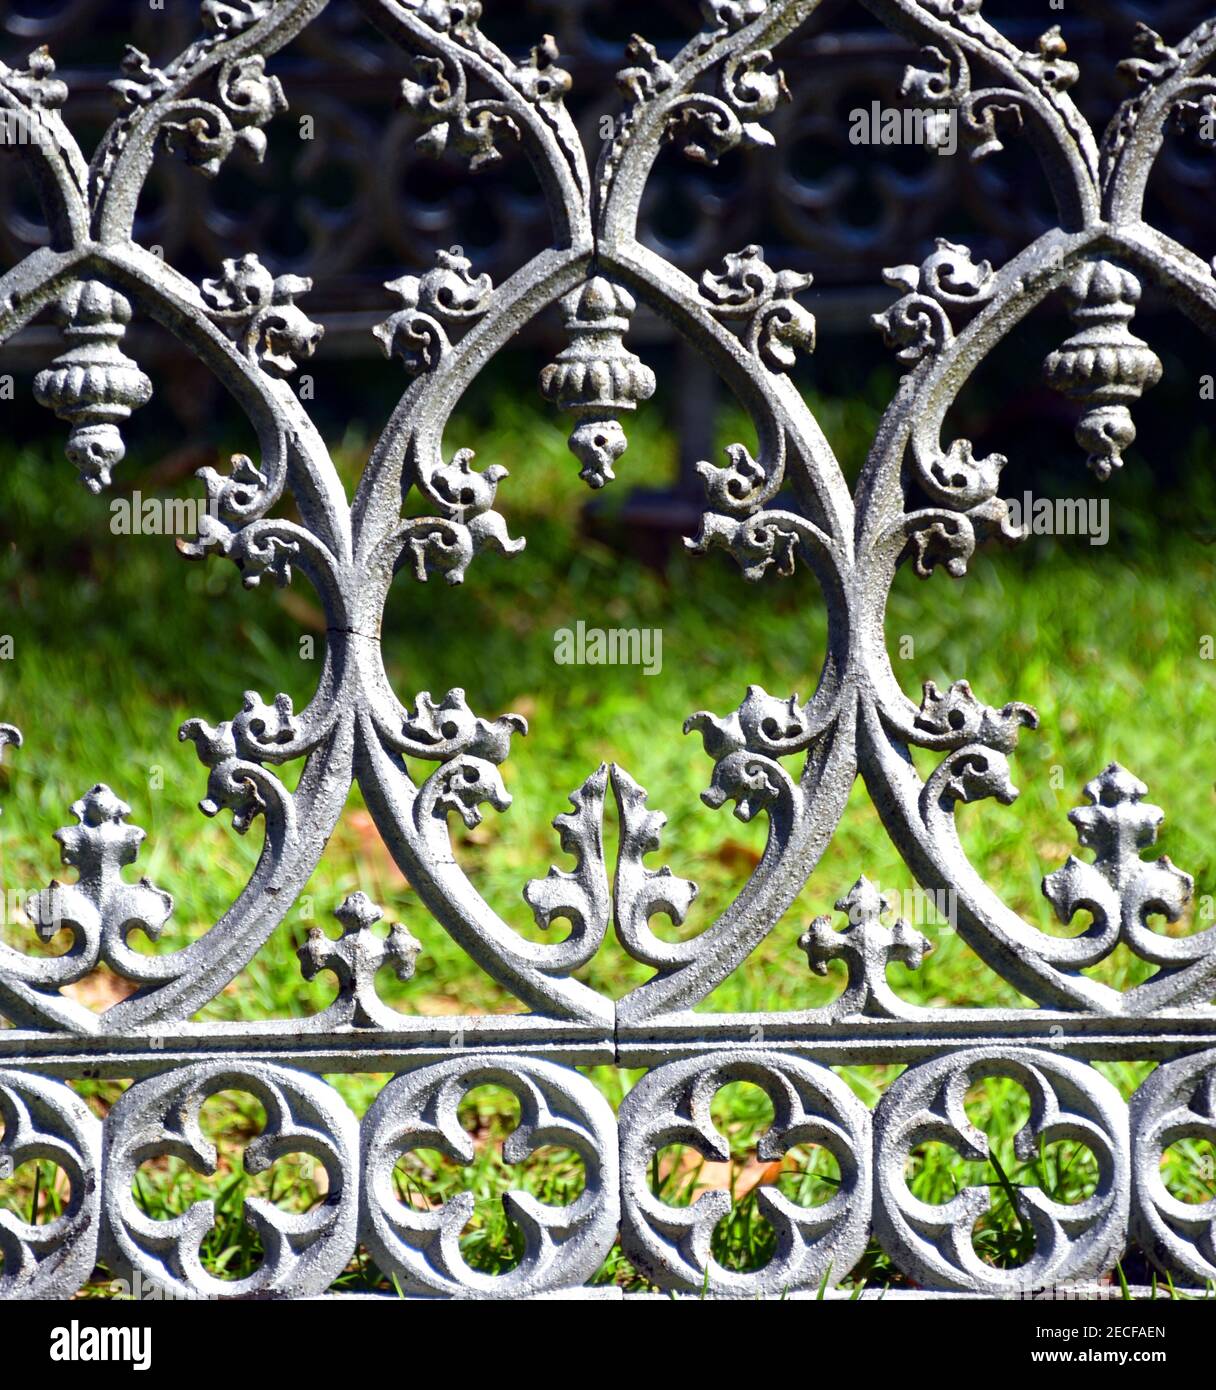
(442, 729)
(769, 540)
(157, 107)
(955, 717)
(639, 892)
(580, 897)
(447, 544)
(745, 747)
(236, 751)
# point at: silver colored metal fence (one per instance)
(923, 499)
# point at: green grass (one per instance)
(117, 641)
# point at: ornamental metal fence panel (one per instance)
(924, 499)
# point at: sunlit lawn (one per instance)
(117, 641)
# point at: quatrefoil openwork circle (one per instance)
(922, 499)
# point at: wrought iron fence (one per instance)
(924, 499)
(358, 202)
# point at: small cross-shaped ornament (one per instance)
(356, 957)
(867, 947)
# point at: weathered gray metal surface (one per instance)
(922, 499)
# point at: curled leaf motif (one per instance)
(932, 86)
(254, 100)
(440, 100)
(462, 786)
(232, 17)
(259, 550)
(264, 548)
(260, 312)
(708, 127)
(1155, 60)
(235, 527)
(764, 540)
(36, 86)
(982, 114)
(449, 294)
(648, 76)
(940, 538)
(761, 724)
(971, 773)
(967, 508)
(448, 544)
(754, 784)
(919, 324)
(1048, 67)
(959, 480)
(753, 92)
(540, 79)
(581, 897)
(705, 125)
(732, 15)
(640, 893)
(444, 730)
(745, 746)
(738, 488)
(776, 325)
(205, 133)
(461, 487)
(234, 751)
(457, 17)
(261, 729)
(468, 748)
(251, 99)
(232, 499)
(1167, 82)
(143, 83)
(955, 717)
